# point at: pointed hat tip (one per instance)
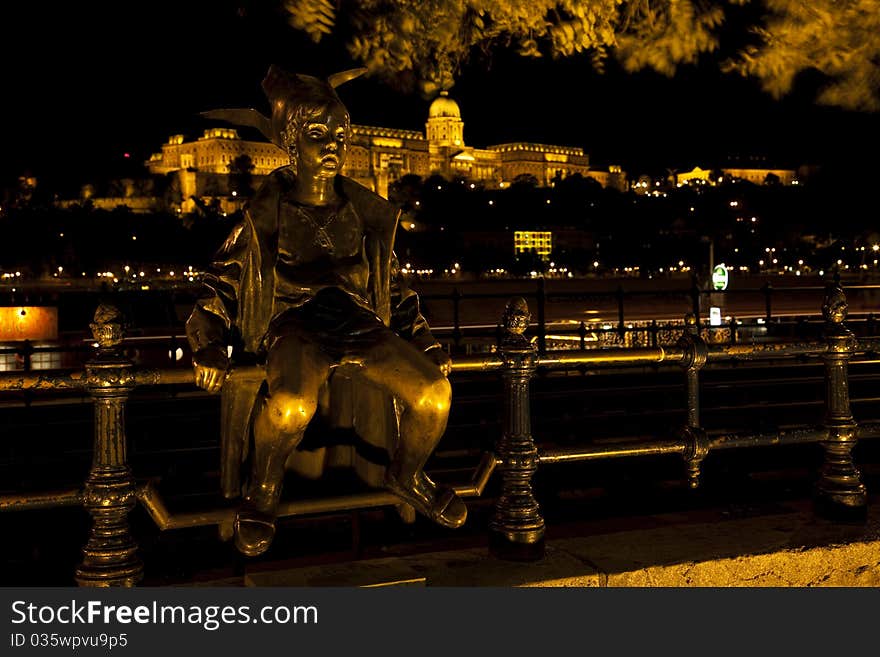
(345, 76)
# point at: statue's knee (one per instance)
(435, 396)
(289, 412)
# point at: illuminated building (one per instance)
(752, 175)
(539, 242)
(760, 176)
(695, 175)
(377, 157)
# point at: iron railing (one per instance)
(516, 530)
(624, 329)
(463, 337)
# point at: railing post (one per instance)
(654, 333)
(542, 317)
(767, 289)
(840, 493)
(456, 321)
(27, 353)
(696, 298)
(696, 354)
(516, 531)
(172, 348)
(109, 557)
(621, 326)
(582, 336)
(733, 338)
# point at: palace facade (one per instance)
(201, 172)
(377, 157)
(757, 176)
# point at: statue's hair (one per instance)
(294, 97)
(298, 115)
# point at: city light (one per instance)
(540, 241)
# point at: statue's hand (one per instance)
(441, 358)
(210, 365)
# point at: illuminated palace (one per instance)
(379, 156)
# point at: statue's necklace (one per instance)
(320, 219)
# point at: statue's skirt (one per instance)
(334, 322)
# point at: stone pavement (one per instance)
(787, 547)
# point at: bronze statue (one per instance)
(309, 284)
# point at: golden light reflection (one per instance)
(28, 323)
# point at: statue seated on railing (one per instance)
(308, 284)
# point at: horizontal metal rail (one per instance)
(42, 382)
(611, 451)
(44, 500)
(616, 357)
(152, 501)
(765, 351)
(654, 447)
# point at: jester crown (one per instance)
(285, 92)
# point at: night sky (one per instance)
(87, 82)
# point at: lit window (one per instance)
(45, 360)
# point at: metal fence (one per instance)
(516, 530)
(624, 330)
(462, 337)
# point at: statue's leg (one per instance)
(425, 395)
(295, 371)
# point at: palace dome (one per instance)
(444, 106)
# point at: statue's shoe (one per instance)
(442, 505)
(254, 531)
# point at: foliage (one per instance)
(425, 42)
(838, 38)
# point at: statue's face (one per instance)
(322, 143)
